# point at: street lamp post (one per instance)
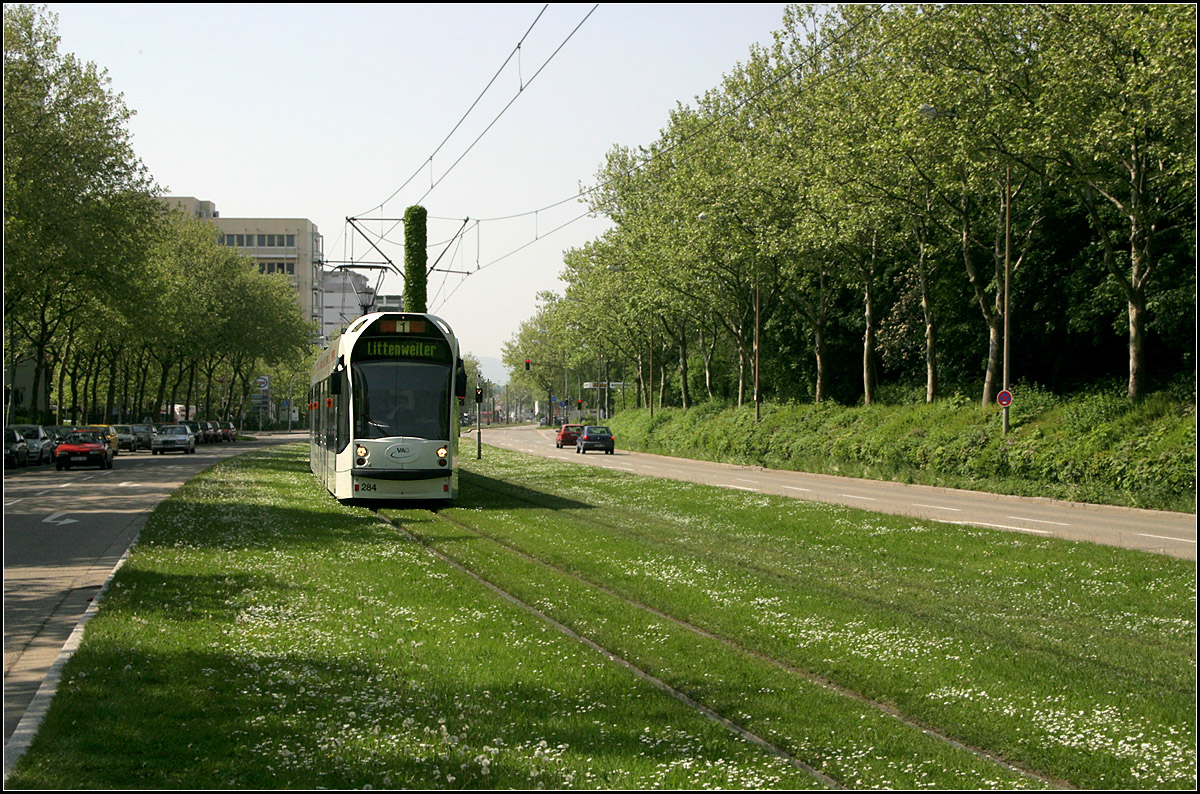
(1007, 268)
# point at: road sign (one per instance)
(262, 381)
(1004, 398)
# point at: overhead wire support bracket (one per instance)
(360, 230)
(454, 237)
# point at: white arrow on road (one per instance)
(57, 518)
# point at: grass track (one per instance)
(264, 636)
(1064, 658)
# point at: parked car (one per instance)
(228, 431)
(16, 450)
(196, 430)
(84, 447)
(58, 433)
(595, 437)
(173, 438)
(212, 431)
(108, 432)
(41, 443)
(145, 435)
(567, 435)
(126, 438)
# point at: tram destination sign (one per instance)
(409, 349)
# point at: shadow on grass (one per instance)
(209, 720)
(479, 491)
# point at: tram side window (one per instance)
(327, 405)
(342, 429)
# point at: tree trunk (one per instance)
(930, 334)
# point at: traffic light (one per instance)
(526, 365)
(478, 394)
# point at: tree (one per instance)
(1120, 121)
(77, 201)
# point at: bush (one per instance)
(1096, 446)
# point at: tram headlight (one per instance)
(442, 453)
(361, 451)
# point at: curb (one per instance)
(27, 728)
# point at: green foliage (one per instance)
(415, 258)
(102, 288)
(839, 205)
(1096, 447)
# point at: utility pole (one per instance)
(478, 426)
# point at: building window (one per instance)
(262, 241)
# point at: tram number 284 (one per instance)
(383, 409)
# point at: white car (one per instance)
(173, 438)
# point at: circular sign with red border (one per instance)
(1004, 398)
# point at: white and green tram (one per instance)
(383, 418)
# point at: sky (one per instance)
(329, 112)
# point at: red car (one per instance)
(567, 435)
(84, 448)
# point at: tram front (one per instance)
(405, 378)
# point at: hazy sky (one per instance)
(325, 112)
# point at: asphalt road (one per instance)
(1158, 532)
(64, 533)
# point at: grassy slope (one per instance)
(1093, 448)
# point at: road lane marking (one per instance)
(1038, 521)
(937, 507)
(1164, 537)
(752, 482)
(995, 526)
(795, 488)
(57, 518)
(864, 498)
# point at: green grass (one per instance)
(1097, 447)
(262, 635)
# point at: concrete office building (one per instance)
(348, 296)
(291, 246)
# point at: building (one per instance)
(292, 246)
(347, 297)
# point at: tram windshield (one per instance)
(401, 398)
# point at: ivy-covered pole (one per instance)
(415, 259)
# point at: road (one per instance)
(1159, 532)
(64, 532)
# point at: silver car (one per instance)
(173, 438)
(40, 442)
(126, 438)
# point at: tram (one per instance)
(383, 410)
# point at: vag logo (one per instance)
(399, 452)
